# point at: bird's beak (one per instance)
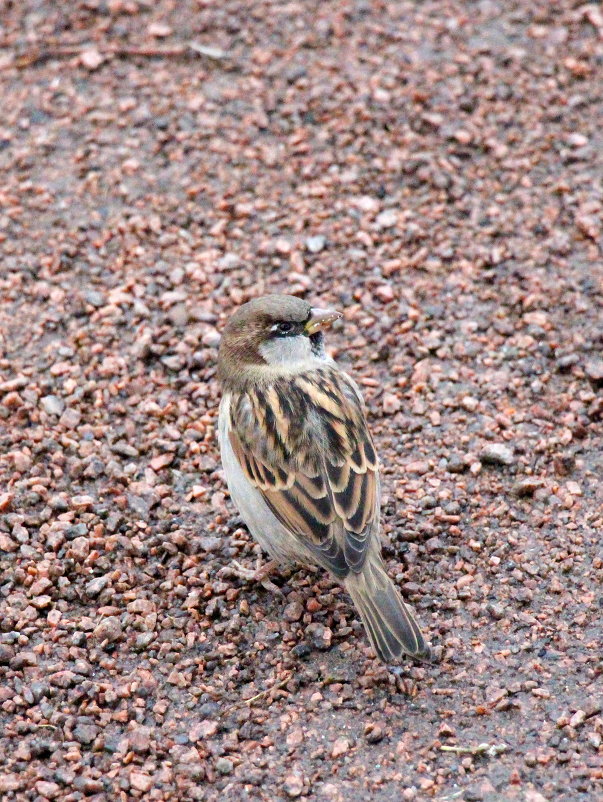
(321, 319)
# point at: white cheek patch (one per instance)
(287, 350)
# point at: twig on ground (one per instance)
(38, 55)
(489, 750)
(259, 695)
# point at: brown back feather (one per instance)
(306, 447)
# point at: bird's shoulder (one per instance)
(316, 409)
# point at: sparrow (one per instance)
(300, 463)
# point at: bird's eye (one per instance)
(283, 328)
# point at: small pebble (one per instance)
(293, 785)
(497, 454)
(140, 781)
(386, 219)
(109, 629)
(391, 404)
(316, 244)
(594, 370)
(224, 765)
(293, 611)
(95, 586)
(85, 733)
(52, 404)
(525, 488)
(320, 636)
(340, 747)
(456, 464)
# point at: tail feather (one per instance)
(390, 624)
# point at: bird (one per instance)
(300, 463)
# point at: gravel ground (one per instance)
(435, 170)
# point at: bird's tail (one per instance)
(389, 623)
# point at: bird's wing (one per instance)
(305, 445)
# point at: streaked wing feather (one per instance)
(322, 485)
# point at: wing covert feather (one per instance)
(306, 447)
